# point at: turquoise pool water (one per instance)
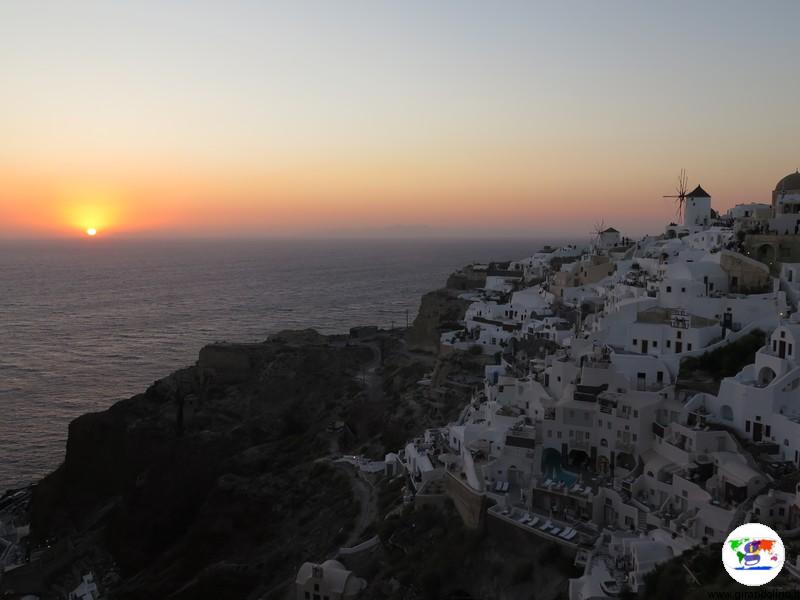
(551, 467)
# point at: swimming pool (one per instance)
(551, 467)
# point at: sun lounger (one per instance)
(588, 490)
(546, 525)
(566, 532)
(555, 531)
(533, 522)
(570, 535)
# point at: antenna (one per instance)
(681, 190)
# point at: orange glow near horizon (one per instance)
(91, 208)
(425, 198)
(379, 118)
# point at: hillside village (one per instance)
(591, 432)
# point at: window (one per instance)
(635, 437)
(679, 334)
(669, 289)
(669, 344)
(683, 290)
(660, 374)
(747, 426)
(635, 413)
(635, 341)
(689, 346)
(655, 343)
(558, 434)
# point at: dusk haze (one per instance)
(319, 118)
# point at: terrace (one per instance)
(569, 533)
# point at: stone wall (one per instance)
(469, 504)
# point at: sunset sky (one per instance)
(336, 118)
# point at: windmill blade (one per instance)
(681, 189)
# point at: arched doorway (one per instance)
(765, 376)
(576, 459)
(766, 253)
(626, 461)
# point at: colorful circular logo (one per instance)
(753, 554)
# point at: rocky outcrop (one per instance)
(209, 485)
(439, 311)
(467, 279)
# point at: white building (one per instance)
(86, 590)
(786, 205)
(327, 581)
(608, 238)
(762, 402)
(697, 208)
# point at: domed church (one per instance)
(786, 205)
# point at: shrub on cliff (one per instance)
(727, 360)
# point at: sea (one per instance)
(84, 323)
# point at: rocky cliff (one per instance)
(439, 311)
(221, 479)
(208, 485)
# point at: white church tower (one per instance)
(697, 208)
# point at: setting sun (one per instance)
(91, 232)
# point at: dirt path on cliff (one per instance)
(369, 375)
